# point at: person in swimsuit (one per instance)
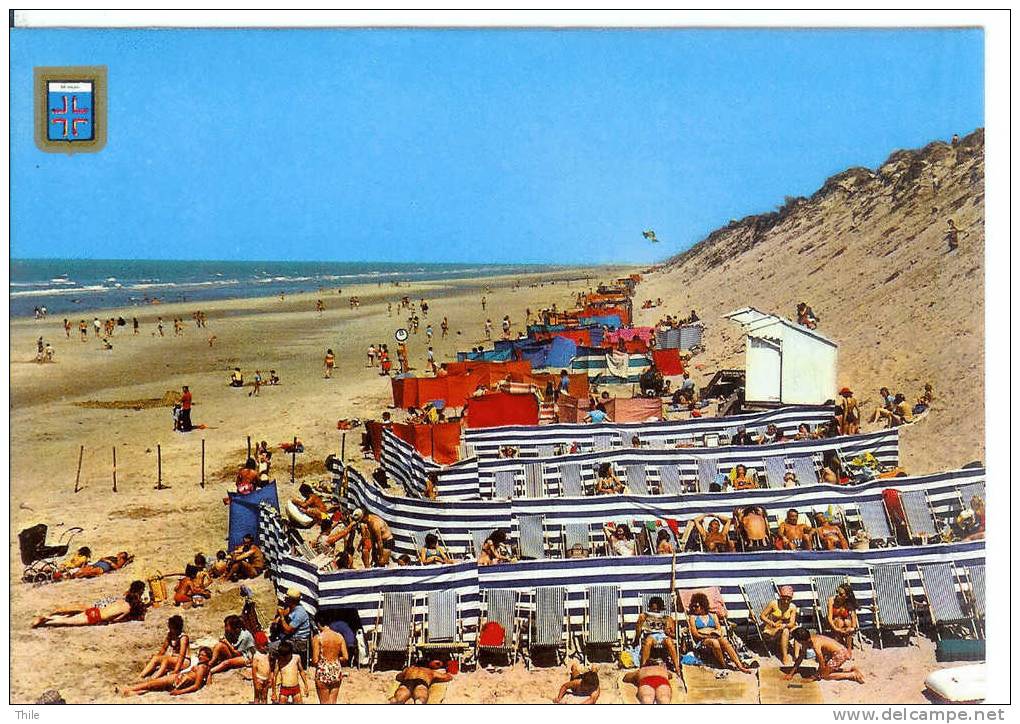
(415, 682)
(433, 552)
(173, 655)
(834, 659)
(742, 480)
(235, 649)
(130, 608)
(583, 687)
(290, 675)
(842, 615)
(752, 525)
(794, 536)
(246, 561)
(716, 539)
(664, 543)
(495, 550)
(828, 535)
(709, 636)
(329, 654)
(104, 565)
(652, 681)
(377, 541)
(177, 683)
(656, 628)
(329, 362)
(608, 483)
(188, 592)
(778, 619)
(261, 669)
(621, 541)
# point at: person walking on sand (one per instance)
(67, 328)
(444, 327)
(384, 361)
(953, 235)
(83, 330)
(488, 329)
(371, 355)
(329, 362)
(483, 302)
(97, 326)
(134, 324)
(159, 326)
(186, 425)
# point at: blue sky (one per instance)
(475, 146)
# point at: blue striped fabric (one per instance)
(409, 469)
(592, 360)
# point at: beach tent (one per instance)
(786, 364)
(501, 408)
(244, 514)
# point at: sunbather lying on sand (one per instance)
(104, 565)
(652, 681)
(130, 608)
(182, 683)
(582, 687)
(415, 682)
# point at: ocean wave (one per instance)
(62, 291)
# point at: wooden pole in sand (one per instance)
(159, 468)
(293, 460)
(115, 468)
(343, 446)
(77, 475)
(203, 463)
(249, 448)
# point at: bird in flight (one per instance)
(650, 235)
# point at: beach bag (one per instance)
(157, 588)
(492, 634)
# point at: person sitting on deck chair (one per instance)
(495, 549)
(652, 681)
(832, 656)
(656, 628)
(664, 543)
(742, 480)
(621, 541)
(608, 483)
(716, 538)
(709, 635)
(752, 525)
(794, 535)
(841, 614)
(828, 535)
(583, 687)
(433, 552)
(779, 619)
(415, 682)
(742, 437)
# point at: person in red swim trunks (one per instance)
(652, 681)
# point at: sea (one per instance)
(65, 286)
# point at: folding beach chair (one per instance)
(968, 492)
(503, 484)
(717, 606)
(603, 443)
(775, 471)
(803, 466)
(394, 628)
(824, 588)
(940, 592)
(531, 536)
(571, 484)
(670, 482)
(546, 451)
(443, 630)
(478, 539)
(918, 516)
(548, 628)
(875, 520)
(501, 607)
(670, 608)
(976, 576)
(576, 537)
(418, 537)
(708, 468)
(603, 620)
(534, 484)
(892, 607)
(637, 479)
(758, 594)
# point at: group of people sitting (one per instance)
(255, 472)
(749, 528)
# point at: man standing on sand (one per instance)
(97, 325)
(445, 327)
(186, 409)
(483, 302)
(488, 329)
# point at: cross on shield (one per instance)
(70, 107)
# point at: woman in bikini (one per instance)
(652, 681)
(778, 619)
(177, 683)
(129, 608)
(608, 483)
(742, 480)
(495, 550)
(709, 637)
(433, 552)
(842, 615)
(828, 535)
(329, 654)
(174, 651)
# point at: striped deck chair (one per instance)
(503, 484)
(670, 609)
(917, 512)
(571, 484)
(395, 628)
(603, 442)
(892, 608)
(548, 629)
(758, 594)
(708, 468)
(670, 482)
(976, 576)
(603, 620)
(577, 536)
(546, 450)
(637, 479)
(418, 538)
(824, 588)
(534, 484)
(531, 536)
(940, 591)
(478, 539)
(803, 466)
(875, 519)
(501, 607)
(968, 492)
(443, 631)
(775, 471)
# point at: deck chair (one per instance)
(548, 630)
(758, 594)
(775, 471)
(670, 482)
(395, 628)
(671, 612)
(501, 607)
(940, 591)
(443, 631)
(976, 576)
(546, 451)
(918, 516)
(875, 520)
(503, 484)
(892, 609)
(708, 468)
(531, 536)
(803, 466)
(603, 443)
(967, 493)
(571, 484)
(534, 484)
(637, 479)
(577, 536)
(824, 588)
(717, 606)
(603, 620)
(418, 538)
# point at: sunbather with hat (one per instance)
(129, 608)
(778, 619)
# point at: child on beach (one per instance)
(329, 362)
(178, 683)
(204, 578)
(261, 669)
(219, 567)
(258, 384)
(188, 593)
(290, 675)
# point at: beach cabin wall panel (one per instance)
(764, 370)
(809, 368)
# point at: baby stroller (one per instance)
(37, 557)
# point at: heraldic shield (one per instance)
(70, 108)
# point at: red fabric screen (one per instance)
(668, 361)
(440, 442)
(501, 408)
(634, 409)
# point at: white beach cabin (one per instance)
(786, 364)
